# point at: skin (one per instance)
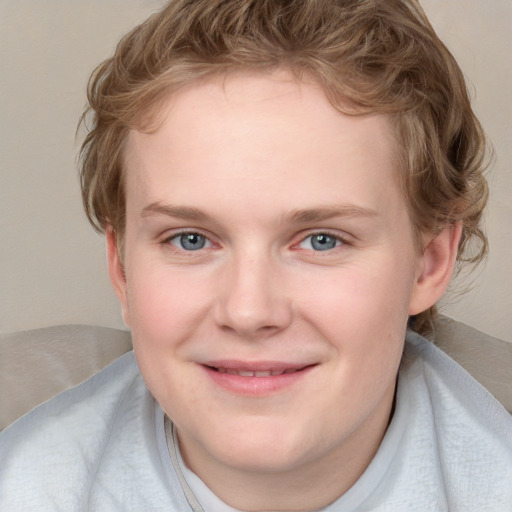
(256, 166)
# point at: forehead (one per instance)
(251, 128)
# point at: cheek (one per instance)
(360, 297)
(362, 313)
(166, 310)
(164, 304)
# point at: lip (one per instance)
(255, 379)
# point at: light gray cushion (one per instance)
(38, 364)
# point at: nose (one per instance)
(252, 300)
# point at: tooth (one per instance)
(243, 373)
(250, 373)
(263, 373)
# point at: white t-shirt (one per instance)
(102, 446)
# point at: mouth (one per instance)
(255, 379)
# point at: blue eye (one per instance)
(190, 241)
(320, 242)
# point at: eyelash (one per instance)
(167, 241)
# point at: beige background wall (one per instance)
(52, 265)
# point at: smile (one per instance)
(255, 379)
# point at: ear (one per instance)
(116, 273)
(435, 269)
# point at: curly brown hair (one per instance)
(369, 56)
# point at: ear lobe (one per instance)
(436, 269)
(116, 273)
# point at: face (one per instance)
(269, 272)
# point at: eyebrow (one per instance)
(327, 212)
(181, 212)
(295, 216)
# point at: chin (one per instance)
(270, 446)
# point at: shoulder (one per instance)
(456, 398)
(84, 404)
(470, 430)
(59, 445)
(450, 384)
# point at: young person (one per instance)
(285, 187)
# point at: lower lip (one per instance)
(255, 386)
